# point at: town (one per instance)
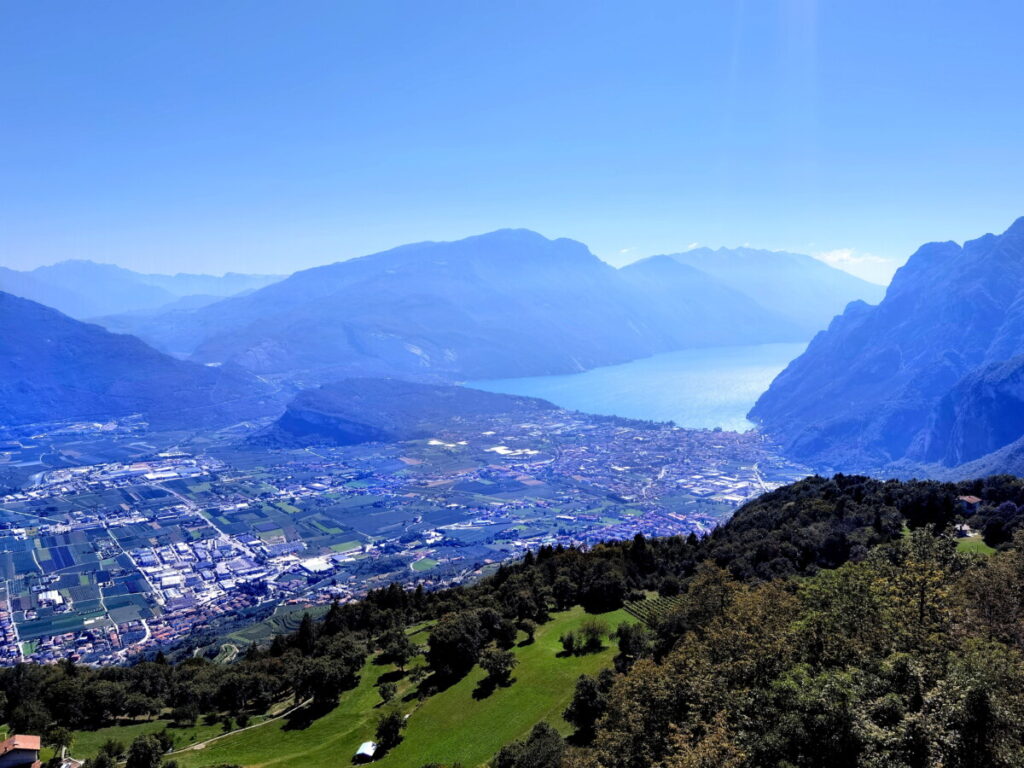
(101, 562)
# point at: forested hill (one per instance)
(814, 629)
(355, 411)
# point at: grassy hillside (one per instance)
(449, 726)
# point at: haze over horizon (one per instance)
(138, 137)
(837, 260)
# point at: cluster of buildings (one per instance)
(9, 645)
(436, 511)
(170, 465)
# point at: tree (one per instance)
(669, 587)
(397, 648)
(505, 634)
(389, 729)
(708, 747)
(136, 705)
(305, 640)
(454, 644)
(387, 691)
(568, 641)
(323, 680)
(113, 748)
(530, 628)
(60, 738)
(165, 740)
(145, 752)
(498, 664)
(587, 638)
(543, 748)
(635, 641)
(29, 717)
(334, 621)
(604, 592)
(564, 591)
(589, 702)
(186, 714)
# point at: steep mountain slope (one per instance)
(55, 368)
(28, 286)
(362, 410)
(799, 287)
(85, 289)
(927, 375)
(508, 303)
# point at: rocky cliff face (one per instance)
(981, 414)
(923, 376)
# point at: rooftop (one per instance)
(21, 741)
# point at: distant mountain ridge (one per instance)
(85, 289)
(55, 368)
(507, 303)
(932, 375)
(799, 287)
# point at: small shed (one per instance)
(366, 752)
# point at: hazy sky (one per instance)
(270, 136)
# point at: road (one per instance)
(14, 624)
(221, 535)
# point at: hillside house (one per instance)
(20, 751)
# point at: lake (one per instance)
(698, 388)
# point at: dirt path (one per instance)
(203, 744)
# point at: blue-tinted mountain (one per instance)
(932, 375)
(509, 303)
(229, 284)
(805, 290)
(355, 411)
(55, 368)
(85, 289)
(698, 310)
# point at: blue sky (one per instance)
(270, 136)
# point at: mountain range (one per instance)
(932, 376)
(85, 289)
(56, 368)
(801, 288)
(507, 303)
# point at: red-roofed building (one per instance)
(20, 751)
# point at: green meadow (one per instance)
(453, 725)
